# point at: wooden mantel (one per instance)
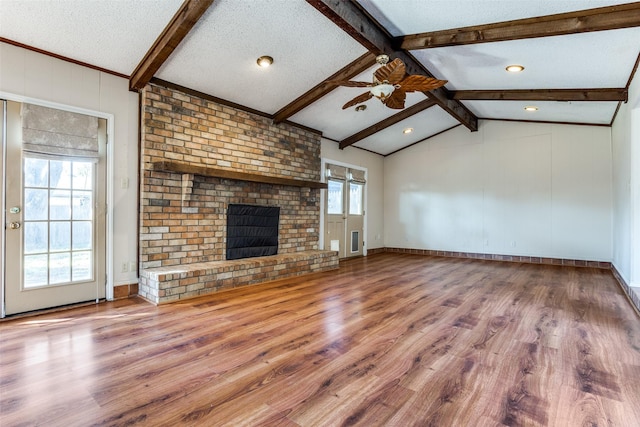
(212, 171)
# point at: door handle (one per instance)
(14, 225)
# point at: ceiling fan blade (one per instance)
(396, 99)
(392, 72)
(358, 100)
(349, 83)
(420, 83)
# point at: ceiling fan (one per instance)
(391, 84)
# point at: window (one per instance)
(355, 198)
(335, 196)
(58, 221)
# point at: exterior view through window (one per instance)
(58, 221)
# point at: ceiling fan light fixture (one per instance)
(531, 108)
(265, 61)
(361, 107)
(515, 68)
(382, 59)
(382, 91)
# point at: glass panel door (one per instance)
(344, 211)
(55, 224)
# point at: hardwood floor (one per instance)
(391, 339)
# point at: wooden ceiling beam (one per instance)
(599, 19)
(354, 21)
(390, 121)
(177, 29)
(353, 69)
(620, 94)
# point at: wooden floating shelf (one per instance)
(214, 172)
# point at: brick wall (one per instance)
(185, 128)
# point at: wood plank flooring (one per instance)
(387, 340)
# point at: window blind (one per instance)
(356, 175)
(50, 131)
(337, 172)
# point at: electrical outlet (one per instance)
(125, 267)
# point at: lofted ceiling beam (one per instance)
(599, 19)
(353, 69)
(542, 95)
(390, 121)
(348, 16)
(181, 23)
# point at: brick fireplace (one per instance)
(199, 156)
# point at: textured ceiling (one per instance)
(113, 35)
(424, 124)
(401, 17)
(229, 38)
(589, 60)
(218, 57)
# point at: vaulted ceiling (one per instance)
(579, 56)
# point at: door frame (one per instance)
(323, 178)
(109, 190)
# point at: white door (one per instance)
(344, 212)
(55, 223)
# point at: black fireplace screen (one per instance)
(252, 231)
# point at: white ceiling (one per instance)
(601, 59)
(401, 17)
(424, 124)
(110, 34)
(218, 56)
(220, 53)
(593, 112)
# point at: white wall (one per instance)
(626, 187)
(373, 163)
(27, 74)
(510, 188)
(635, 187)
(621, 148)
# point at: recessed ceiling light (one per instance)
(531, 108)
(514, 68)
(265, 61)
(407, 130)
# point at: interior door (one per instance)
(54, 222)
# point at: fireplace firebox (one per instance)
(252, 231)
